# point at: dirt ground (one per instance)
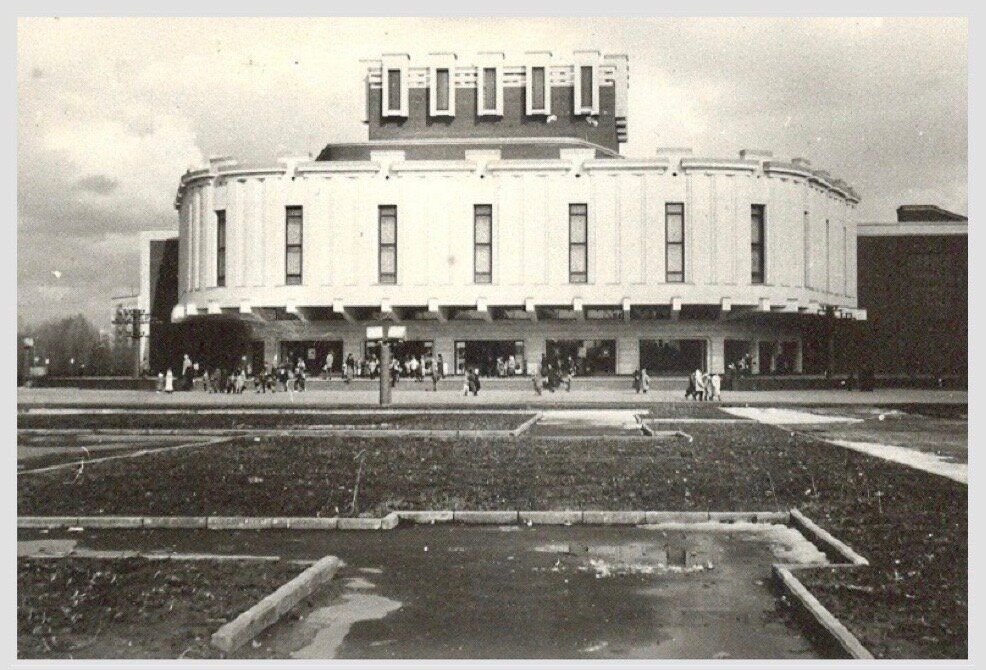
(133, 607)
(912, 526)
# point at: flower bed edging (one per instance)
(233, 635)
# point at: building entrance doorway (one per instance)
(492, 357)
(672, 357)
(592, 357)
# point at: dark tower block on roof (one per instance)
(537, 94)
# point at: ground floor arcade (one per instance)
(513, 347)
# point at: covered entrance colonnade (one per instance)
(667, 340)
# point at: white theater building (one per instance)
(491, 213)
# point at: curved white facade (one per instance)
(625, 304)
(809, 232)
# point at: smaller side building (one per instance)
(913, 278)
(158, 296)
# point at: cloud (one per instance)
(98, 184)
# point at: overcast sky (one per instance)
(112, 111)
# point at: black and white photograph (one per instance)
(544, 338)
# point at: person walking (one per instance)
(169, 381)
(644, 380)
(329, 360)
(636, 381)
(435, 375)
(538, 380)
(474, 384)
(716, 384)
(441, 367)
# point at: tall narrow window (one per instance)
(483, 249)
(441, 90)
(674, 242)
(488, 105)
(293, 238)
(220, 247)
(828, 257)
(587, 88)
(756, 244)
(578, 244)
(537, 88)
(388, 244)
(806, 234)
(393, 90)
(845, 261)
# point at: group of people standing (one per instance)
(411, 367)
(704, 386)
(551, 376)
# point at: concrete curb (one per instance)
(824, 622)
(824, 539)
(393, 519)
(561, 518)
(233, 635)
(828, 625)
(527, 425)
(296, 431)
(485, 517)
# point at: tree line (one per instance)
(74, 347)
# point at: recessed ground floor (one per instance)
(503, 348)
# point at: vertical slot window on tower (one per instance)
(393, 90)
(442, 90)
(578, 243)
(388, 244)
(674, 245)
(221, 247)
(488, 102)
(587, 89)
(757, 244)
(293, 245)
(483, 249)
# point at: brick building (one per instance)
(913, 279)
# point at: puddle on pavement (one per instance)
(329, 625)
(536, 592)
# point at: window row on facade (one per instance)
(489, 91)
(578, 244)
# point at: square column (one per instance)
(717, 354)
(446, 347)
(534, 348)
(352, 343)
(271, 351)
(627, 355)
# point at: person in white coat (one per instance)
(169, 381)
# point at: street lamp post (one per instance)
(134, 318)
(393, 334)
(25, 375)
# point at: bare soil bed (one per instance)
(912, 526)
(285, 420)
(134, 607)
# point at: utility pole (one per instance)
(393, 334)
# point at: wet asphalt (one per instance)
(512, 591)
